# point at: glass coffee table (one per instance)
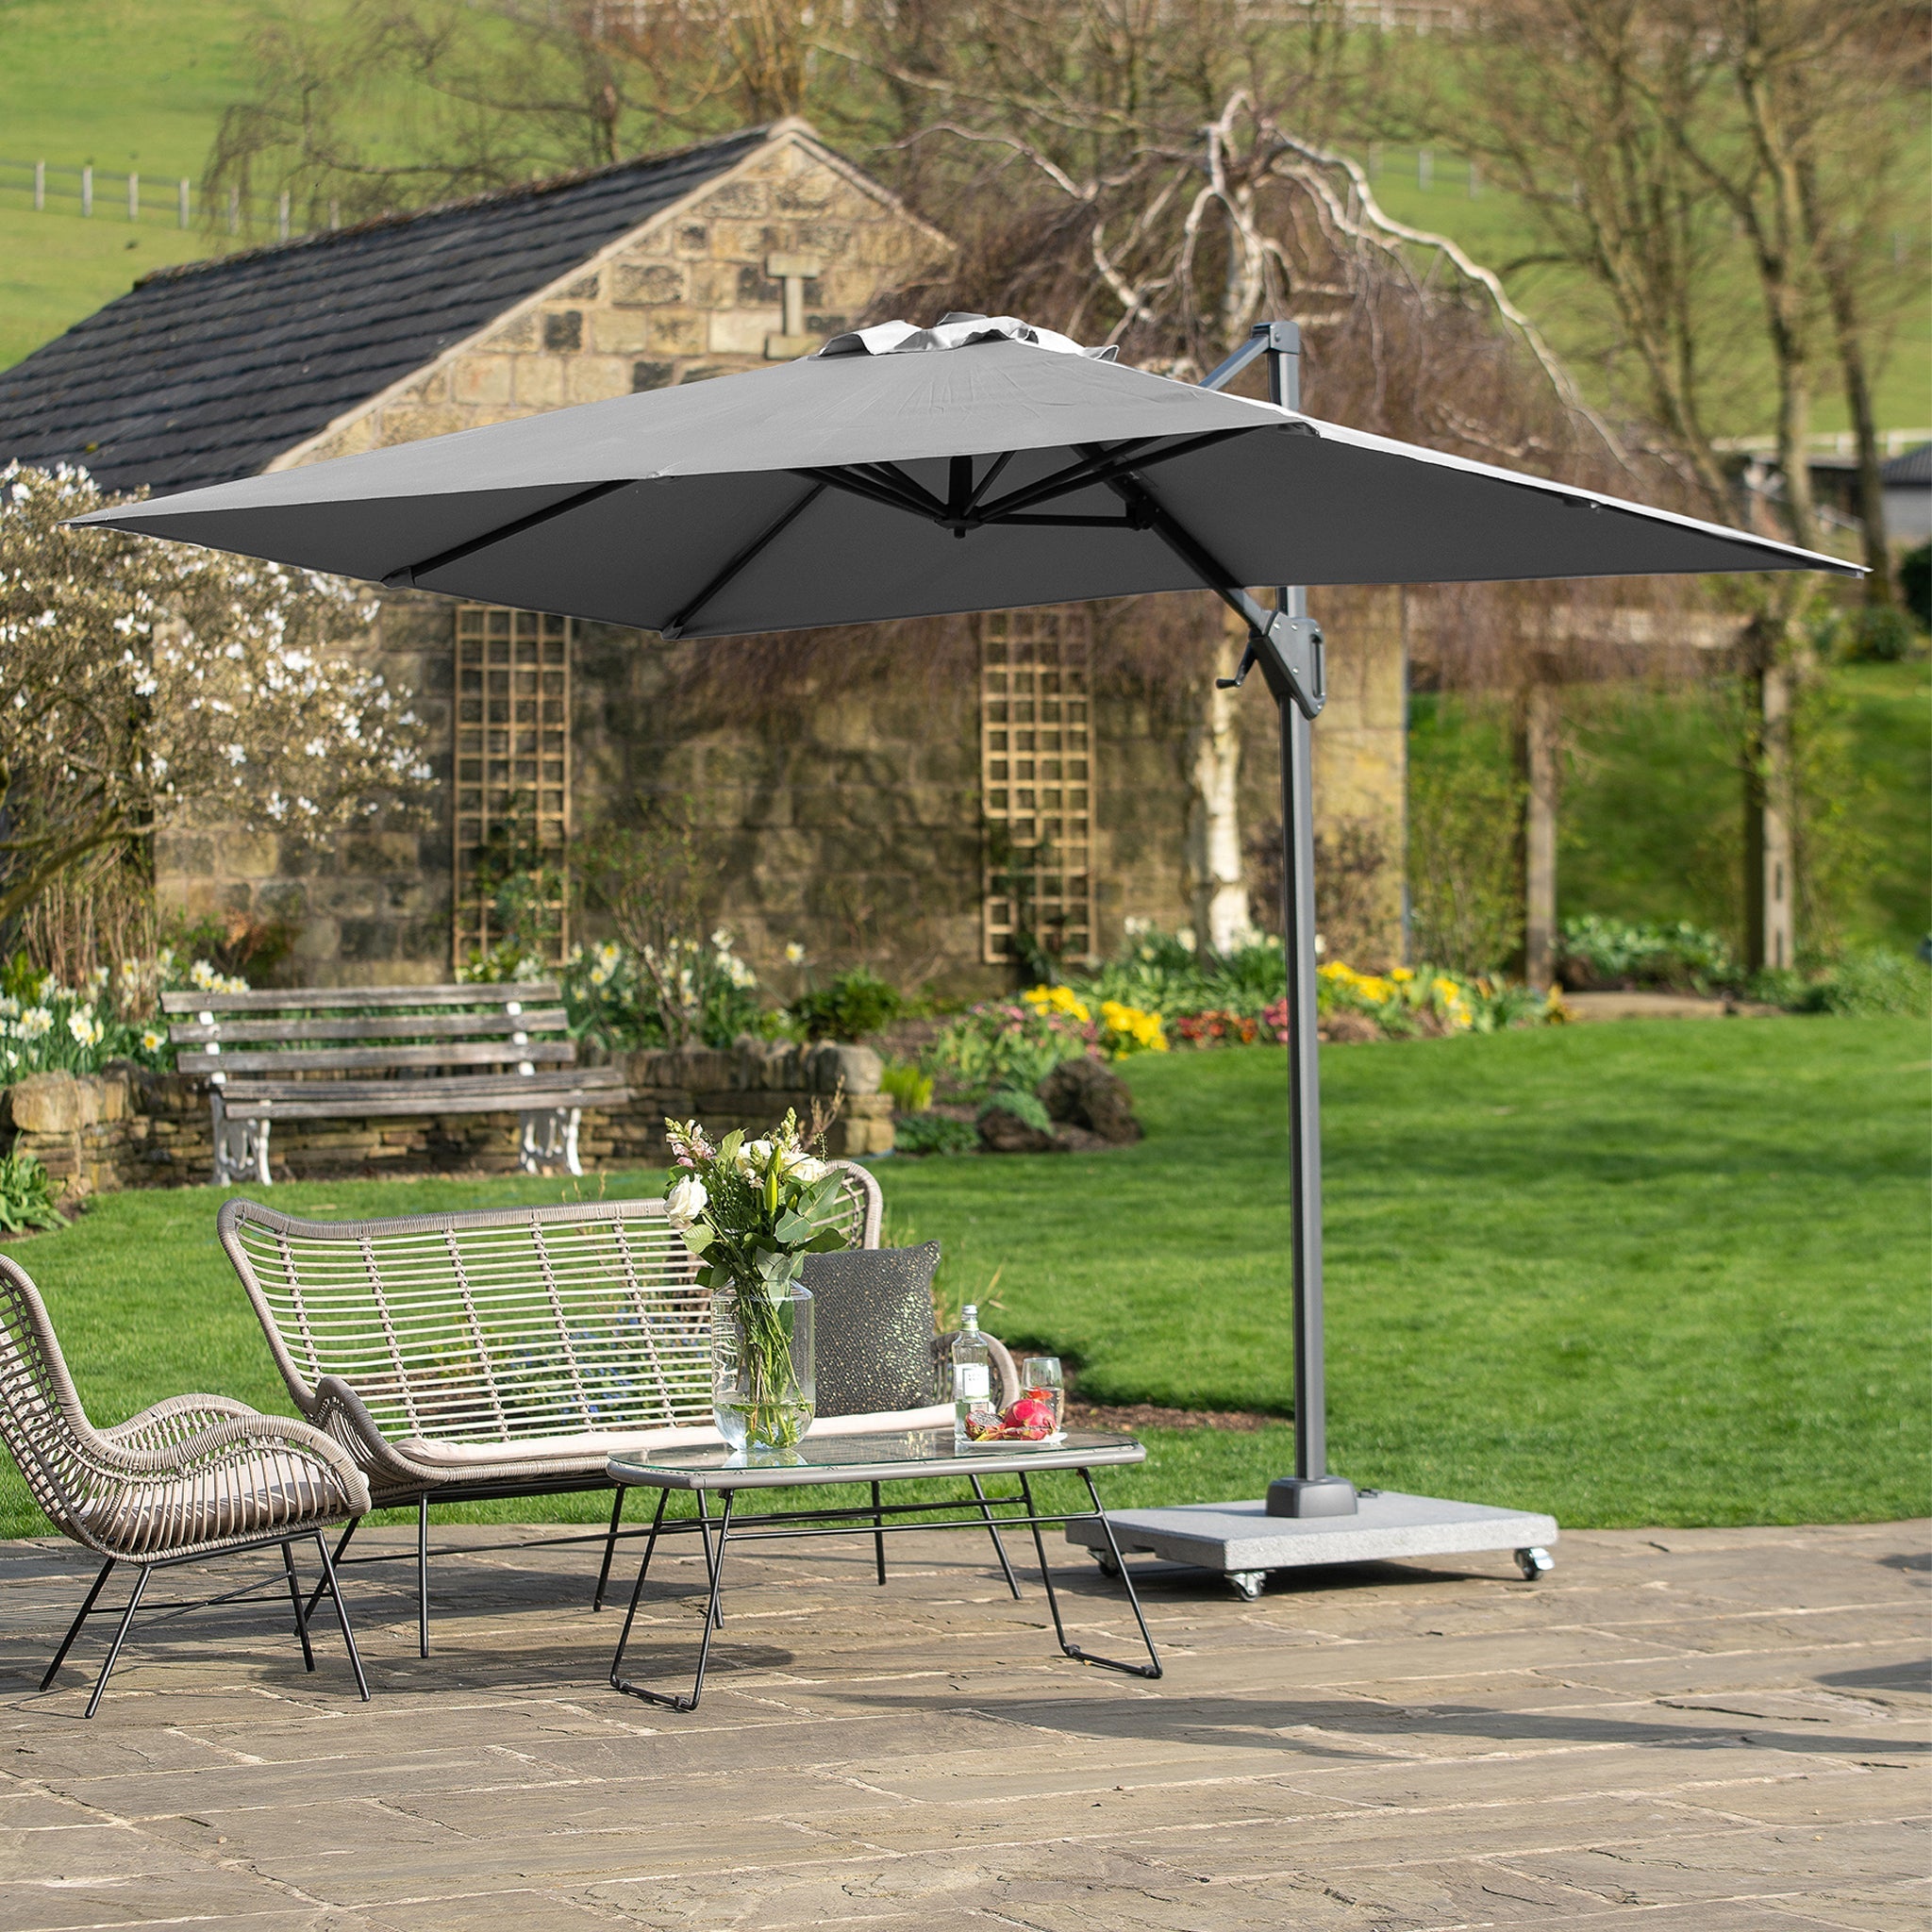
(875, 1461)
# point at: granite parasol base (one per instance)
(1242, 1542)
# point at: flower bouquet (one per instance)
(748, 1209)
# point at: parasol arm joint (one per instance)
(1287, 649)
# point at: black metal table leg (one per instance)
(878, 1539)
(295, 1598)
(992, 1529)
(74, 1628)
(714, 1562)
(637, 1588)
(705, 1531)
(1150, 1668)
(609, 1550)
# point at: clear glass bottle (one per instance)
(972, 1375)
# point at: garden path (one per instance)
(1681, 1731)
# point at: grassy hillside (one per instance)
(140, 85)
(129, 86)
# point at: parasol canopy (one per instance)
(983, 465)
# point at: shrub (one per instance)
(1880, 634)
(996, 1044)
(27, 1195)
(1859, 985)
(934, 1133)
(852, 1007)
(616, 999)
(910, 1089)
(1615, 951)
(1022, 1105)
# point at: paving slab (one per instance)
(1686, 1731)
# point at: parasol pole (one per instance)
(1289, 651)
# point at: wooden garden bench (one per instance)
(513, 1352)
(352, 1052)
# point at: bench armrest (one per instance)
(342, 1415)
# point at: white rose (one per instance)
(805, 1168)
(684, 1203)
(755, 1157)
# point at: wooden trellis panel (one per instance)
(512, 752)
(1035, 770)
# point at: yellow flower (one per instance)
(1057, 999)
(1130, 1023)
(1399, 974)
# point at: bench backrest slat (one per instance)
(379, 1059)
(495, 1325)
(492, 1025)
(500, 994)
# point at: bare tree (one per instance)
(1676, 154)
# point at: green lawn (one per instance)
(1666, 1272)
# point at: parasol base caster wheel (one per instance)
(1534, 1563)
(1107, 1566)
(1248, 1584)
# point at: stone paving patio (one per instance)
(1681, 1731)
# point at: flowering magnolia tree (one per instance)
(146, 686)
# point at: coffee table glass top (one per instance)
(868, 1458)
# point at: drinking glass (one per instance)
(1040, 1378)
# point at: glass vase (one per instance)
(763, 1370)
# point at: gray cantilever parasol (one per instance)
(982, 464)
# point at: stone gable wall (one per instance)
(690, 296)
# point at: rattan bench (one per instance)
(341, 1052)
(509, 1353)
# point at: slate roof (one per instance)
(1915, 466)
(209, 371)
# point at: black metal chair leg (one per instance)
(609, 1550)
(878, 1539)
(93, 1702)
(714, 1562)
(421, 1578)
(992, 1530)
(81, 1618)
(296, 1598)
(335, 1591)
(315, 1594)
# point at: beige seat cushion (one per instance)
(595, 1446)
(213, 1507)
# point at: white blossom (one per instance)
(684, 1203)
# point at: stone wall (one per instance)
(131, 1127)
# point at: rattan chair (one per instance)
(197, 1476)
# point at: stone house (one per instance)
(906, 799)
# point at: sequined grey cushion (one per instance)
(873, 1319)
